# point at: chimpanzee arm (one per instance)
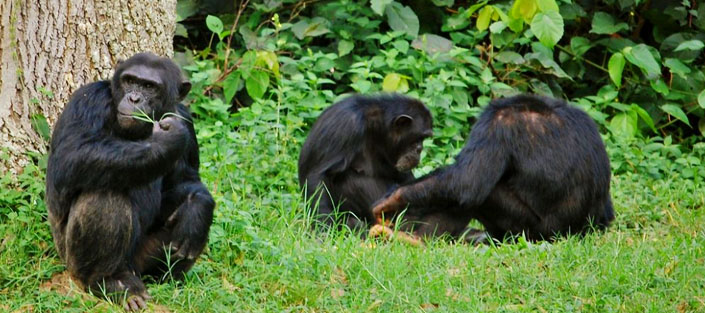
(468, 182)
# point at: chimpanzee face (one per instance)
(410, 133)
(142, 95)
(145, 87)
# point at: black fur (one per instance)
(117, 195)
(358, 149)
(531, 164)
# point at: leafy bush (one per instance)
(631, 64)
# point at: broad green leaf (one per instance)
(509, 57)
(214, 24)
(432, 44)
(269, 60)
(676, 112)
(690, 45)
(443, 3)
(185, 9)
(701, 99)
(547, 5)
(524, 9)
(344, 47)
(660, 87)
(378, 6)
(394, 82)
(644, 116)
(41, 126)
(257, 83)
(677, 67)
(603, 23)
(640, 56)
(180, 30)
(402, 18)
(579, 45)
(623, 125)
(248, 63)
(483, 17)
(615, 66)
(230, 85)
(548, 27)
(316, 27)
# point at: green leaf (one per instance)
(509, 57)
(579, 45)
(548, 27)
(378, 6)
(231, 84)
(690, 45)
(615, 66)
(257, 83)
(344, 47)
(214, 24)
(547, 5)
(394, 82)
(660, 87)
(41, 126)
(185, 8)
(483, 17)
(524, 9)
(402, 18)
(316, 27)
(640, 56)
(603, 23)
(701, 99)
(432, 44)
(677, 67)
(676, 112)
(623, 125)
(644, 116)
(269, 60)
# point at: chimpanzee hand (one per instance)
(390, 204)
(188, 236)
(171, 133)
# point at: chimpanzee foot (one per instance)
(385, 232)
(137, 302)
(476, 237)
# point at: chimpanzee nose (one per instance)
(134, 98)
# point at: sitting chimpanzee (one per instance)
(358, 149)
(123, 193)
(532, 165)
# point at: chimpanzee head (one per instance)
(145, 84)
(408, 123)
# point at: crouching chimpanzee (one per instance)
(532, 165)
(358, 149)
(124, 195)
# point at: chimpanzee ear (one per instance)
(403, 121)
(184, 88)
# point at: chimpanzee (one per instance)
(124, 194)
(358, 149)
(532, 165)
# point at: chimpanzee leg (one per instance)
(174, 247)
(100, 237)
(437, 223)
(504, 213)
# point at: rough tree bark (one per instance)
(49, 48)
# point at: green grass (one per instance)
(262, 258)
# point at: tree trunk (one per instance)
(49, 48)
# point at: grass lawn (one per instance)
(262, 258)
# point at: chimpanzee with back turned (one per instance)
(532, 165)
(123, 193)
(357, 150)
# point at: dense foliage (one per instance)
(633, 65)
